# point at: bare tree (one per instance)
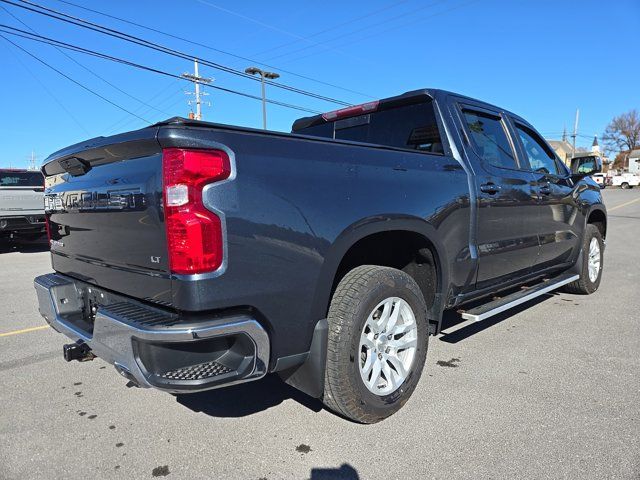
(623, 133)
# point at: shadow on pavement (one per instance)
(345, 472)
(452, 318)
(246, 398)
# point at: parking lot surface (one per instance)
(549, 391)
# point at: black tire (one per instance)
(584, 285)
(625, 185)
(355, 298)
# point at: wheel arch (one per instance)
(339, 259)
(598, 217)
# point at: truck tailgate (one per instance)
(104, 206)
(21, 193)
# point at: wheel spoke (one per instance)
(403, 342)
(398, 366)
(402, 328)
(367, 342)
(395, 314)
(386, 311)
(368, 364)
(375, 373)
(388, 375)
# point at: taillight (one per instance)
(194, 233)
(351, 111)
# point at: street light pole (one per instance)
(264, 104)
(263, 75)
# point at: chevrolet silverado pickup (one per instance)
(193, 255)
(21, 205)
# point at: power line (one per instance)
(74, 81)
(57, 15)
(86, 68)
(277, 29)
(128, 120)
(214, 49)
(378, 32)
(141, 110)
(338, 25)
(76, 48)
(366, 27)
(52, 95)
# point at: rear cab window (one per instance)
(410, 126)
(9, 178)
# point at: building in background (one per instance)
(634, 162)
(563, 149)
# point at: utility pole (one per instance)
(263, 75)
(32, 161)
(197, 80)
(575, 133)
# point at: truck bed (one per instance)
(290, 200)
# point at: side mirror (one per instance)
(584, 166)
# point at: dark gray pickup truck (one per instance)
(193, 255)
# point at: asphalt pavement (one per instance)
(549, 391)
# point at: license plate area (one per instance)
(92, 299)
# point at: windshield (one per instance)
(21, 179)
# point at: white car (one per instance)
(626, 180)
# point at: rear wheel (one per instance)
(625, 185)
(592, 263)
(377, 343)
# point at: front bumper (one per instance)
(153, 347)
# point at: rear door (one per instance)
(559, 229)
(21, 193)
(507, 237)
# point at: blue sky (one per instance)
(541, 59)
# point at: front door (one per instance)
(559, 219)
(507, 237)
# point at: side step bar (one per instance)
(505, 303)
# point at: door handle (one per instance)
(490, 188)
(545, 189)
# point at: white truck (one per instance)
(21, 205)
(626, 180)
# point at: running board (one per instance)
(499, 305)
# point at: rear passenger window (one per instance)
(541, 158)
(490, 139)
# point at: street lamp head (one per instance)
(262, 73)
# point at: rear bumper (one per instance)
(152, 347)
(22, 223)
